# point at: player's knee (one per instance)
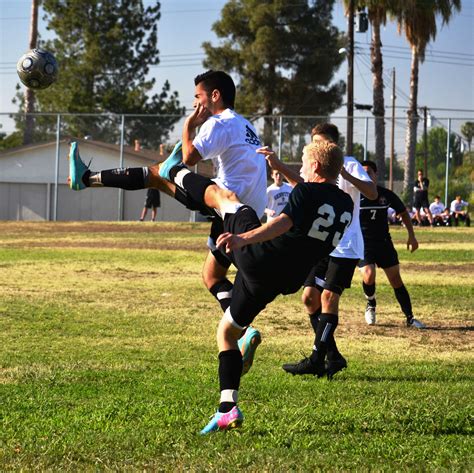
(311, 301)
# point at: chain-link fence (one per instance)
(33, 177)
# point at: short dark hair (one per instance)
(370, 164)
(218, 80)
(327, 130)
(437, 197)
(420, 170)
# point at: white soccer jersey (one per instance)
(458, 206)
(437, 208)
(352, 242)
(231, 141)
(277, 198)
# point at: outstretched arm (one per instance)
(268, 231)
(412, 241)
(369, 189)
(291, 176)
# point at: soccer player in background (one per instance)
(327, 280)
(420, 190)
(379, 249)
(278, 195)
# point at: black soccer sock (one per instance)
(325, 330)
(403, 299)
(194, 184)
(314, 319)
(369, 291)
(230, 371)
(124, 178)
(222, 291)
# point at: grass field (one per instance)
(108, 360)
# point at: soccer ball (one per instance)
(37, 69)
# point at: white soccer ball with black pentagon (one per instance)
(37, 69)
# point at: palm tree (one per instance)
(29, 93)
(417, 19)
(377, 11)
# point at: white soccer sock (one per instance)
(229, 395)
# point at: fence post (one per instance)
(280, 137)
(56, 168)
(366, 137)
(448, 152)
(120, 193)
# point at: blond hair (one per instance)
(328, 155)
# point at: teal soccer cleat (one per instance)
(248, 344)
(224, 421)
(77, 168)
(174, 159)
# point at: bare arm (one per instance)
(191, 155)
(369, 189)
(268, 231)
(412, 241)
(291, 176)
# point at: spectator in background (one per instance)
(152, 201)
(457, 212)
(421, 197)
(278, 195)
(392, 216)
(439, 212)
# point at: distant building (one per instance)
(27, 184)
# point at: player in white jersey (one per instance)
(225, 137)
(326, 282)
(278, 195)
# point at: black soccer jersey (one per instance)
(320, 213)
(373, 214)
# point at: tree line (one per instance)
(283, 53)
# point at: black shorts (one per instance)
(250, 294)
(152, 199)
(333, 274)
(382, 253)
(421, 200)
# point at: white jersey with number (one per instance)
(231, 142)
(352, 242)
(277, 198)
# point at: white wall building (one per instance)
(28, 190)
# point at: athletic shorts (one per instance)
(421, 201)
(333, 274)
(250, 294)
(152, 200)
(217, 228)
(381, 253)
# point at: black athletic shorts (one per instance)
(217, 228)
(421, 200)
(250, 294)
(152, 198)
(382, 253)
(333, 274)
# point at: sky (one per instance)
(446, 81)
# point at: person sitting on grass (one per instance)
(458, 212)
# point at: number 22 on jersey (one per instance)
(326, 220)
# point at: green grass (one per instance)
(108, 361)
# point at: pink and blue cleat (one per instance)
(224, 421)
(248, 344)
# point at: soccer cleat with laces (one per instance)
(370, 315)
(174, 159)
(248, 344)
(334, 366)
(306, 366)
(77, 168)
(412, 322)
(224, 421)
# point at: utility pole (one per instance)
(350, 81)
(425, 141)
(29, 93)
(392, 134)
